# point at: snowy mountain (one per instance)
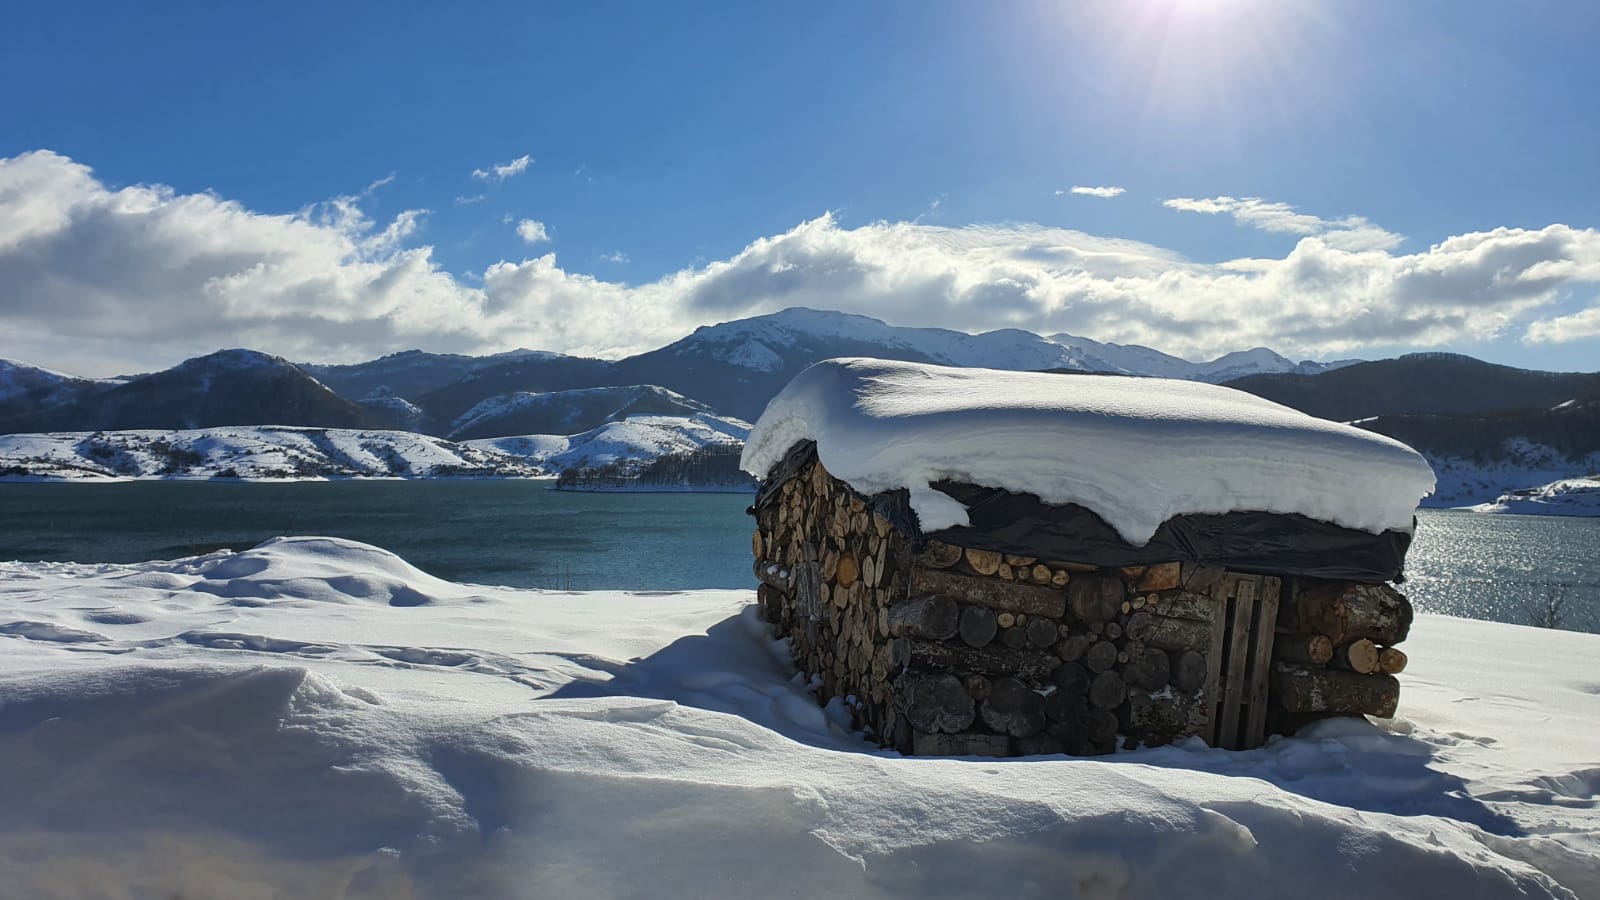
(1567, 497)
(247, 453)
(25, 388)
(229, 387)
(738, 366)
(567, 412)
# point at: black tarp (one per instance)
(1254, 542)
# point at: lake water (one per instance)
(519, 533)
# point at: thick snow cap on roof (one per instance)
(1136, 451)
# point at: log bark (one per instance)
(1107, 691)
(1391, 661)
(1101, 656)
(994, 594)
(1013, 708)
(1188, 670)
(1357, 656)
(1350, 610)
(1187, 605)
(1041, 633)
(1299, 690)
(772, 574)
(1032, 665)
(1139, 625)
(935, 618)
(1096, 598)
(1179, 634)
(1166, 716)
(1305, 649)
(1161, 577)
(940, 555)
(1071, 679)
(978, 626)
(934, 703)
(1151, 670)
(965, 744)
(1197, 577)
(1013, 638)
(984, 562)
(1074, 646)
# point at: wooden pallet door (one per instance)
(1239, 664)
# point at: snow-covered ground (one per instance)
(316, 718)
(1567, 497)
(282, 453)
(247, 452)
(1524, 467)
(634, 438)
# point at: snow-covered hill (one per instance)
(1567, 497)
(248, 453)
(317, 718)
(1523, 466)
(25, 388)
(637, 438)
(568, 412)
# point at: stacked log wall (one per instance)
(962, 651)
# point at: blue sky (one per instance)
(694, 163)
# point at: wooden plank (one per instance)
(1266, 626)
(1233, 668)
(1212, 692)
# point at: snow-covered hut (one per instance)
(993, 563)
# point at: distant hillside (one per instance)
(534, 374)
(568, 412)
(411, 373)
(1419, 384)
(230, 387)
(26, 389)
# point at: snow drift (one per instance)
(317, 718)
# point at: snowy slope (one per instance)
(568, 412)
(246, 452)
(1135, 451)
(316, 718)
(1132, 359)
(636, 438)
(1524, 466)
(25, 388)
(1567, 497)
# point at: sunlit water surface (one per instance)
(1506, 568)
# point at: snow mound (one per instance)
(1137, 451)
(162, 739)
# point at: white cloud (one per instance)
(469, 200)
(615, 256)
(532, 232)
(505, 170)
(102, 280)
(1349, 233)
(1579, 326)
(1105, 192)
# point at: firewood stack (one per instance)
(1335, 654)
(963, 651)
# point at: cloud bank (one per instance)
(101, 280)
(1349, 233)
